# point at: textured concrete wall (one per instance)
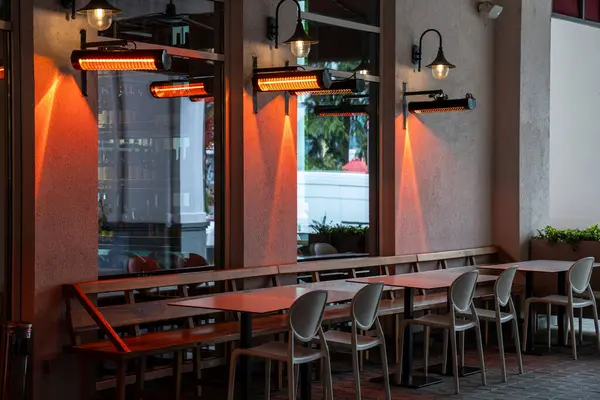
(269, 146)
(65, 192)
(521, 142)
(444, 162)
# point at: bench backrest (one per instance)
(468, 256)
(83, 315)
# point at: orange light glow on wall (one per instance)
(292, 81)
(1, 72)
(120, 60)
(191, 88)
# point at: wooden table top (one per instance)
(262, 301)
(428, 280)
(548, 266)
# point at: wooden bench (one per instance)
(133, 330)
(133, 318)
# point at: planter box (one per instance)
(314, 238)
(349, 242)
(541, 249)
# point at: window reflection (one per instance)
(155, 177)
(5, 10)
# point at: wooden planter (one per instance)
(349, 242)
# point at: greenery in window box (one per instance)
(345, 238)
(570, 236)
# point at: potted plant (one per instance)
(349, 238)
(566, 244)
(321, 231)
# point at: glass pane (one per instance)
(5, 124)
(361, 11)
(333, 175)
(156, 175)
(567, 7)
(5, 10)
(592, 10)
(193, 24)
(347, 58)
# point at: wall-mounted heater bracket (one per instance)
(431, 93)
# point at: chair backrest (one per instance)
(306, 315)
(365, 305)
(194, 260)
(322, 249)
(140, 264)
(503, 286)
(463, 289)
(580, 274)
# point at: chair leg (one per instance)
(445, 352)
(426, 341)
(581, 325)
(596, 327)
(487, 325)
(232, 365)
(454, 361)
(400, 345)
(198, 370)
(328, 383)
(139, 377)
(501, 348)
(291, 382)
(515, 330)
(461, 348)
(356, 371)
(121, 379)
(549, 324)
(177, 372)
(267, 379)
(526, 324)
(570, 312)
(386, 373)
(480, 352)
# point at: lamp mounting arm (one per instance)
(418, 50)
(430, 93)
(275, 32)
(70, 4)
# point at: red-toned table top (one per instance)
(261, 301)
(548, 266)
(428, 280)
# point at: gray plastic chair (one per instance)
(364, 310)
(304, 319)
(503, 298)
(578, 277)
(462, 316)
(323, 249)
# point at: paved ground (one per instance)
(554, 376)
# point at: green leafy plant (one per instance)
(321, 227)
(570, 236)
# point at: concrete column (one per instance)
(522, 123)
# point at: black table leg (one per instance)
(560, 315)
(245, 364)
(305, 381)
(407, 379)
(530, 348)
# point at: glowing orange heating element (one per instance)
(108, 64)
(163, 90)
(437, 110)
(1, 72)
(325, 92)
(291, 83)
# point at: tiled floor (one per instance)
(554, 376)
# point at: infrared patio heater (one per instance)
(439, 103)
(115, 55)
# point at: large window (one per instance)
(337, 154)
(588, 10)
(159, 158)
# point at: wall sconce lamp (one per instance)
(114, 55)
(440, 67)
(99, 13)
(193, 88)
(299, 42)
(344, 108)
(439, 103)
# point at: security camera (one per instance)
(489, 9)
